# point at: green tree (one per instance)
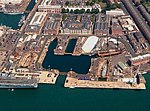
(92, 3)
(64, 17)
(81, 11)
(76, 11)
(71, 11)
(88, 11)
(67, 11)
(67, 3)
(118, 5)
(63, 10)
(94, 11)
(87, 3)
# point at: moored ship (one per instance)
(10, 81)
(22, 20)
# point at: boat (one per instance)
(22, 20)
(72, 87)
(12, 89)
(36, 1)
(144, 72)
(11, 82)
(12, 13)
(17, 86)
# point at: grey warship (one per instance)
(10, 81)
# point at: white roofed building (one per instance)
(141, 59)
(36, 24)
(116, 12)
(89, 44)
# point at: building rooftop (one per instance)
(48, 4)
(38, 18)
(89, 44)
(10, 1)
(141, 57)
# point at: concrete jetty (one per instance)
(75, 83)
(48, 77)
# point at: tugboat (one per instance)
(22, 20)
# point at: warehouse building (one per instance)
(138, 19)
(117, 12)
(52, 25)
(36, 24)
(49, 6)
(102, 24)
(77, 24)
(141, 59)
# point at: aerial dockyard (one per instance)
(117, 41)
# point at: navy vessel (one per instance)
(22, 20)
(10, 81)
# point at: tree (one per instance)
(137, 3)
(118, 5)
(87, 3)
(81, 11)
(64, 17)
(71, 11)
(76, 11)
(92, 3)
(67, 3)
(94, 11)
(63, 11)
(67, 11)
(93, 18)
(88, 11)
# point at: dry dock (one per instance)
(75, 83)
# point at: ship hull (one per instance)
(9, 86)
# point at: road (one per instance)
(37, 65)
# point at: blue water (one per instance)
(79, 64)
(56, 98)
(71, 45)
(10, 20)
(31, 5)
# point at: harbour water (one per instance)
(79, 64)
(71, 45)
(58, 98)
(12, 20)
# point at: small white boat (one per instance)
(71, 87)
(144, 72)
(12, 89)
(36, 1)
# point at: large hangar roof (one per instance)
(89, 44)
